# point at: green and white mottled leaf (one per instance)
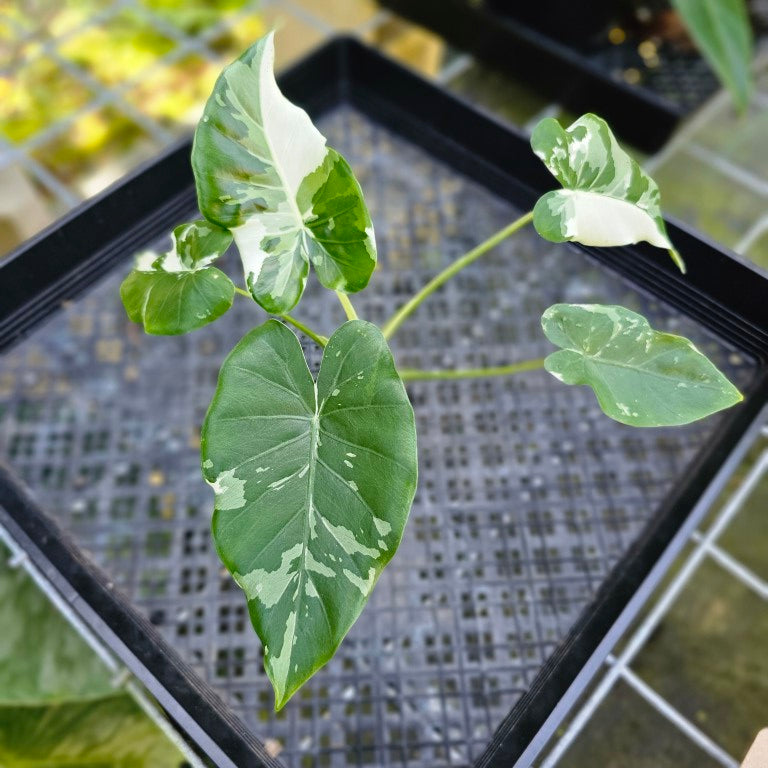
(178, 291)
(264, 171)
(607, 199)
(723, 33)
(641, 377)
(313, 486)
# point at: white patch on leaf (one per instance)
(280, 664)
(364, 585)
(229, 490)
(347, 541)
(382, 526)
(269, 586)
(145, 261)
(298, 148)
(594, 219)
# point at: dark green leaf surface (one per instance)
(606, 200)
(641, 377)
(264, 171)
(722, 30)
(313, 486)
(178, 291)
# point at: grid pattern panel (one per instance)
(527, 496)
(711, 570)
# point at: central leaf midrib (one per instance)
(314, 434)
(598, 361)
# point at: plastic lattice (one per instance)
(528, 495)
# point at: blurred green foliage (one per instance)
(194, 17)
(57, 703)
(56, 59)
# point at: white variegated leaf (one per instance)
(264, 171)
(606, 200)
(178, 291)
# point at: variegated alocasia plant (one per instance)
(314, 478)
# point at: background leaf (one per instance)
(43, 659)
(58, 707)
(109, 732)
(198, 244)
(641, 377)
(607, 199)
(723, 33)
(263, 170)
(313, 486)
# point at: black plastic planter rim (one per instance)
(720, 292)
(639, 115)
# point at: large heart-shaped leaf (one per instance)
(264, 171)
(722, 30)
(641, 377)
(313, 486)
(607, 199)
(179, 291)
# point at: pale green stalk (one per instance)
(319, 338)
(349, 310)
(412, 374)
(397, 319)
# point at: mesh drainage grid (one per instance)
(528, 495)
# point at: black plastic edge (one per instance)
(638, 115)
(718, 291)
(596, 661)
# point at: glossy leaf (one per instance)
(723, 33)
(179, 291)
(313, 486)
(642, 377)
(606, 200)
(264, 171)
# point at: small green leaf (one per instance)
(178, 291)
(722, 30)
(313, 483)
(264, 171)
(606, 200)
(197, 244)
(641, 377)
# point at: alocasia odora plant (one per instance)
(314, 479)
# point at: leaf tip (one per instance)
(678, 259)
